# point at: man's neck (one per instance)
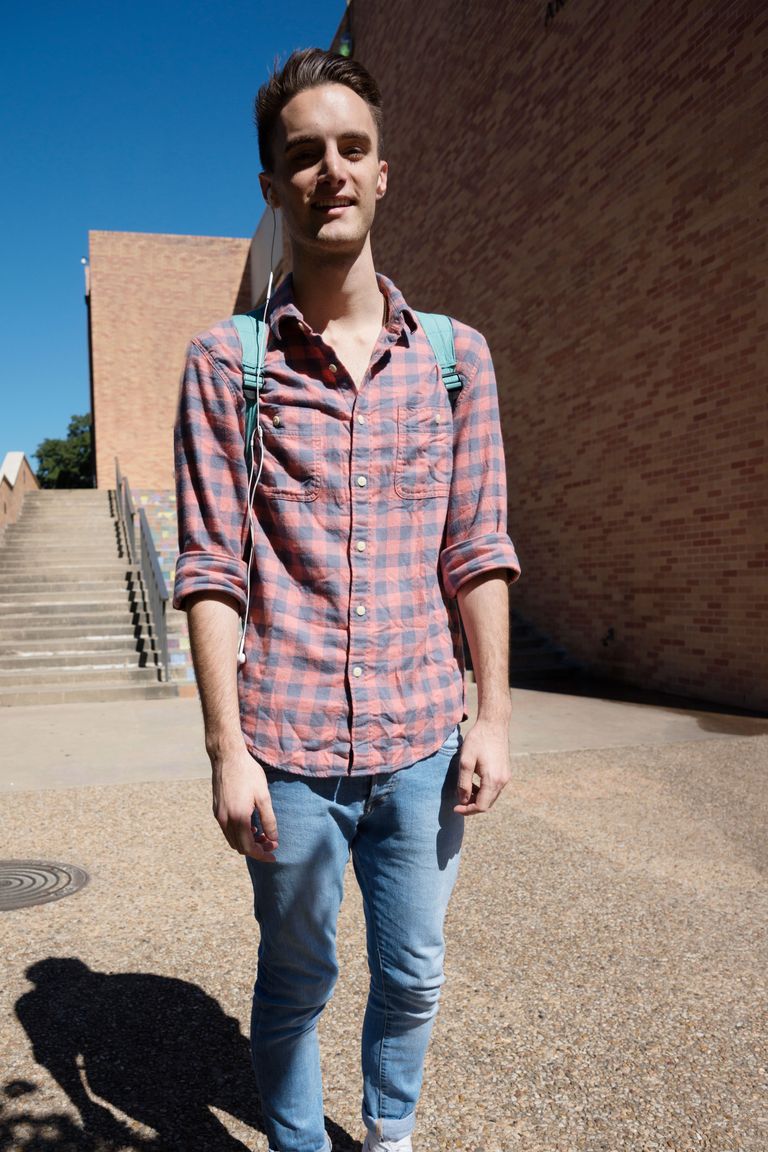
(337, 290)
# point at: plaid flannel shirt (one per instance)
(374, 507)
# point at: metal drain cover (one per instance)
(27, 882)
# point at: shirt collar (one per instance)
(400, 318)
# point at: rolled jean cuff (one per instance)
(326, 1147)
(385, 1129)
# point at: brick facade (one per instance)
(16, 480)
(149, 294)
(591, 193)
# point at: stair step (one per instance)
(64, 544)
(67, 542)
(57, 570)
(36, 521)
(62, 606)
(67, 495)
(73, 657)
(54, 588)
(100, 512)
(58, 629)
(86, 694)
(68, 596)
(67, 511)
(23, 677)
(41, 560)
(51, 581)
(92, 617)
(75, 641)
(93, 522)
(29, 533)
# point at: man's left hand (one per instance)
(484, 753)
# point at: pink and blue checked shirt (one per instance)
(374, 507)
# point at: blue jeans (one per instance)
(404, 839)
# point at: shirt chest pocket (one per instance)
(424, 452)
(290, 467)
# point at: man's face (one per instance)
(327, 175)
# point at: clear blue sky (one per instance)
(130, 117)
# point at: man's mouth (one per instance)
(341, 202)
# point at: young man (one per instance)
(376, 511)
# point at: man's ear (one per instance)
(267, 190)
(381, 183)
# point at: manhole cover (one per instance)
(27, 882)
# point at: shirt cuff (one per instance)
(210, 572)
(460, 562)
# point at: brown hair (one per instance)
(309, 68)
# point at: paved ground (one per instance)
(607, 957)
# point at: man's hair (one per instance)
(309, 68)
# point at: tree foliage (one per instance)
(67, 463)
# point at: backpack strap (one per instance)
(438, 330)
(253, 333)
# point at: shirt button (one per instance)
(357, 670)
(334, 368)
(276, 421)
(361, 545)
(360, 610)
(437, 418)
(361, 481)
(361, 419)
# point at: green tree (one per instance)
(67, 463)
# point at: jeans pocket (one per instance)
(453, 743)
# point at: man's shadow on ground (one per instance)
(159, 1050)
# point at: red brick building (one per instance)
(585, 182)
(149, 294)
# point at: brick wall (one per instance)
(149, 295)
(16, 479)
(592, 194)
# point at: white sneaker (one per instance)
(372, 1144)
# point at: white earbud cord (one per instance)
(252, 483)
(253, 480)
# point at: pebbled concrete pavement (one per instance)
(606, 943)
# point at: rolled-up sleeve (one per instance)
(476, 538)
(211, 482)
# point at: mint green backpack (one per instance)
(253, 338)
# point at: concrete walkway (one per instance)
(606, 943)
(71, 745)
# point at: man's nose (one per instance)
(332, 164)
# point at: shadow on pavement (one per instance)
(158, 1049)
(726, 719)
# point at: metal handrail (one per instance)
(148, 561)
(126, 512)
(130, 521)
(157, 592)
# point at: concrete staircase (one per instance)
(160, 507)
(73, 625)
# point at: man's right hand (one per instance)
(239, 788)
